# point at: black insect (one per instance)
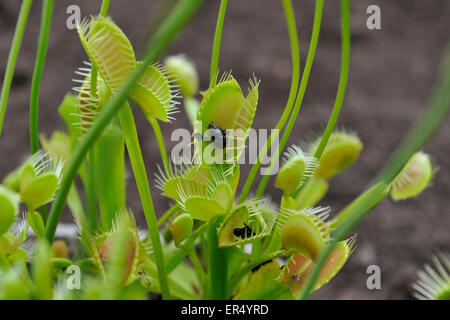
(243, 233)
(218, 136)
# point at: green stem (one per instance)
(161, 145)
(416, 139)
(172, 210)
(298, 103)
(343, 79)
(47, 11)
(295, 57)
(182, 13)
(196, 263)
(218, 266)
(423, 129)
(366, 199)
(91, 195)
(12, 58)
(91, 203)
(104, 8)
(93, 89)
(217, 39)
(140, 175)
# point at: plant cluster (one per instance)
(219, 242)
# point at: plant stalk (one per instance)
(12, 58)
(295, 61)
(217, 40)
(46, 21)
(218, 266)
(302, 91)
(140, 175)
(416, 139)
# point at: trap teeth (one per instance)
(291, 173)
(305, 230)
(415, 177)
(434, 281)
(155, 94)
(183, 71)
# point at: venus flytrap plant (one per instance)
(419, 135)
(212, 223)
(295, 170)
(298, 268)
(224, 119)
(415, 176)
(181, 14)
(342, 150)
(185, 74)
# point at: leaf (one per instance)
(155, 94)
(415, 177)
(109, 49)
(305, 230)
(341, 151)
(36, 223)
(264, 284)
(9, 206)
(298, 267)
(311, 193)
(203, 209)
(110, 174)
(40, 190)
(41, 272)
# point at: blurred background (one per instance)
(392, 74)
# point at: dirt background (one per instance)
(392, 74)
